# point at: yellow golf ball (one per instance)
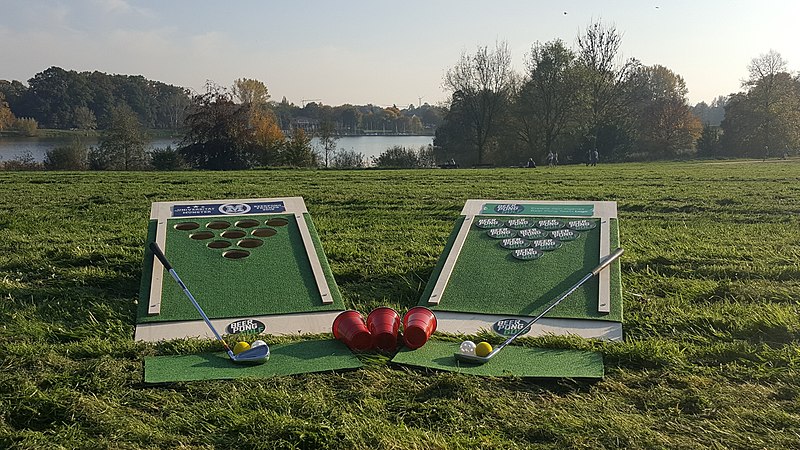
(240, 347)
(483, 349)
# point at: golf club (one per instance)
(254, 355)
(482, 359)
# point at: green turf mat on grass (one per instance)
(286, 359)
(511, 361)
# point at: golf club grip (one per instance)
(608, 260)
(160, 255)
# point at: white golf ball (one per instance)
(257, 343)
(467, 348)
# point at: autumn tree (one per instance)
(298, 151)
(765, 120)
(268, 139)
(769, 85)
(549, 99)
(251, 92)
(605, 80)
(741, 134)
(327, 140)
(218, 132)
(123, 146)
(83, 118)
(711, 114)
(708, 144)
(664, 120)
(481, 85)
(6, 116)
(73, 156)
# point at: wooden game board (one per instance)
(507, 259)
(253, 265)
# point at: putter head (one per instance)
(474, 359)
(255, 355)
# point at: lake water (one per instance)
(369, 146)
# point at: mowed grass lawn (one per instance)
(710, 358)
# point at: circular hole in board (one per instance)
(201, 235)
(219, 244)
(186, 226)
(218, 224)
(250, 243)
(235, 254)
(233, 234)
(264, 232)
(277, 222)
(247, 223)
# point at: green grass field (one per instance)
(711, 279)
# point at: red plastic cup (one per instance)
(419, 324)
(384, 324)
(349, 327)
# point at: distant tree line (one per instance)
(66, 99)
(224, 129)
(355, 120)
(572, 101)
(568, 101)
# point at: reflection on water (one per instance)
(369, 146)
(17, 147)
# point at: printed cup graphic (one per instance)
(419, 324)
(384, 323)
(349, 327)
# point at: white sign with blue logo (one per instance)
(216, 209)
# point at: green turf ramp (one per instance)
(512, 361)
(285, 359)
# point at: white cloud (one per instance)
(113, 6)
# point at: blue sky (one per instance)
(375, 51)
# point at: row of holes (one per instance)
(234, 234)
(222, 224)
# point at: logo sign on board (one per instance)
(514, 243)
(246, 326)
(527, 254)
(550, 224)
(564, 234)
(501, 233)
(216, 209)
(234, 208)
(508, 208)
(581, 225)
(519, 224)
(508, 327)
(533, 233)
(546, 244)
(488, 223)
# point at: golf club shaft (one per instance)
(603, 264)
(160, 255)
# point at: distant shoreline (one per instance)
(174, 133)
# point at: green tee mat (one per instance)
(487, 279)
(512, 361)
(275, 279)
(285, 359)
